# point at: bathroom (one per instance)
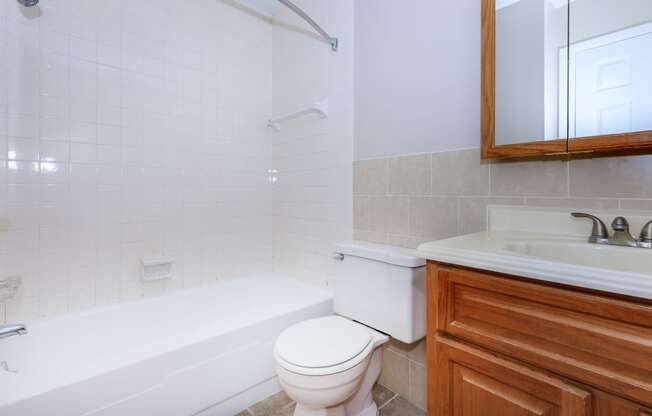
(325, 207)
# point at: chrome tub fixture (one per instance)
(7, 331)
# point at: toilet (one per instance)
(329, 365)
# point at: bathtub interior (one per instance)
(176, 354)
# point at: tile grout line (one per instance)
(409, 380)
(388, 401)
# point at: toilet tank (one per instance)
(383, 287)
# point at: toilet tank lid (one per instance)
(397, 256)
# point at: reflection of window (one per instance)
(609, 89)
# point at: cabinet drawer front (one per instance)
(592, 338)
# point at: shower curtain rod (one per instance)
(334, 42)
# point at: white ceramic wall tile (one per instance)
(312, 159)
(126, 131)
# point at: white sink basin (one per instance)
(550, 245)
(626, 259)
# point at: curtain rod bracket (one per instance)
(334, 42)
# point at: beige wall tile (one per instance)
(409, 175)
(397, 214)
(532, 178)
(406, 241)
(414, 352)
(433, 217)
(459, 173)
(473, 212)
(396, 373)
(418, 353)
(584, 203)
(370, 177)
(637, 204)
(418, 385)
(370, 236)
(381, 214)
(615, 177)
(369, 213)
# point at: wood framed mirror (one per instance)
(566, 77)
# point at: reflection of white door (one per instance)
(610, 84)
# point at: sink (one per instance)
(550, 245)
(585, 254)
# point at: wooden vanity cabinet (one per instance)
(501, 345)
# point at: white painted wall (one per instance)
(128, 129)
(417, 76)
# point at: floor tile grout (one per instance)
(388, 401)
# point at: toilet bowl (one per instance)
(329, 366)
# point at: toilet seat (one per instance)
(323, 346)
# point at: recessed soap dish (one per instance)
(156, 268)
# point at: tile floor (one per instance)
(389, 404)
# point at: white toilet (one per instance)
(329, 365)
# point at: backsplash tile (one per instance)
(397, 214)
(580, 203)
(409, 175)
(636, 204)
(459, 173)
(370, 213)
(473, 212)
(370, 176)
(433, 217)
(530, 178)
(463, 186)
(617, 177)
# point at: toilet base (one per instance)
(361, 403)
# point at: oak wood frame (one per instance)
(623, 143)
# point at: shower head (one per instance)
(28, 3)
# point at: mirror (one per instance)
(610, 67)
(529, 37)
(566, 76)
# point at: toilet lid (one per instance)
(322, 342)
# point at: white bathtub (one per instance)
(206, 351)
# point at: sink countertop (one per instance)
(549, 245)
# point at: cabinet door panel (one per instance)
(472, 382)
(475, 392)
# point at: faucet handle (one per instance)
(599, 233)
(646, 233)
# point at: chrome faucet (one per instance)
(621, 235)
(7, 331)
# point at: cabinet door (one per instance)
(471, 382)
